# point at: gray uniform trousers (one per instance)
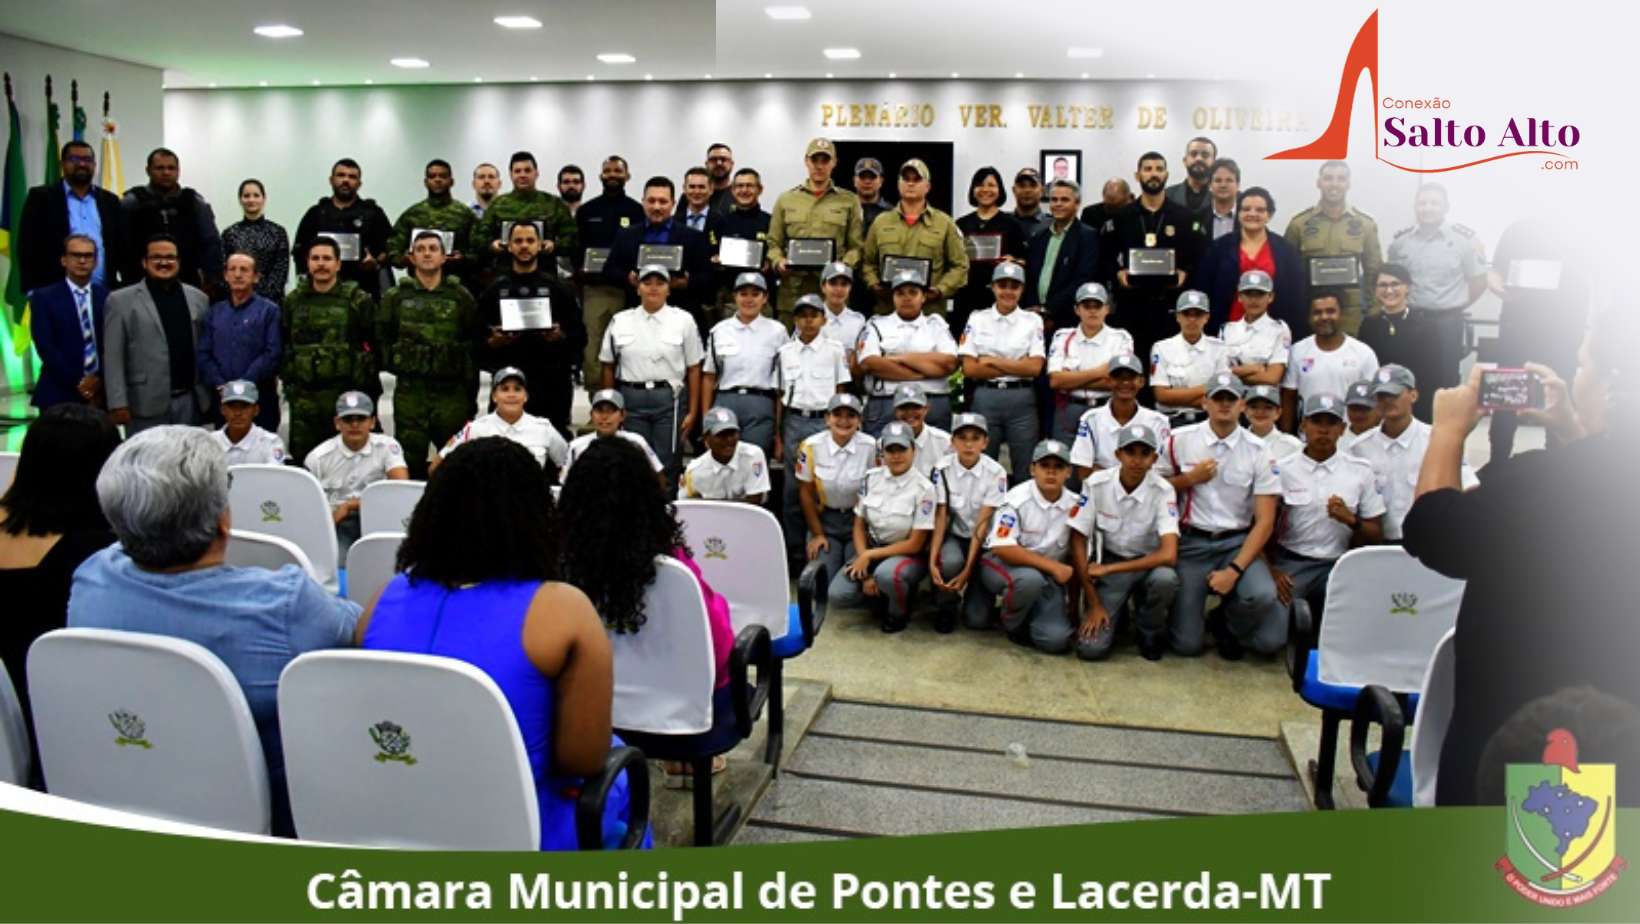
(1155, 590)
(654, 414)
(1254, 614)
(975, 601)
(1030, 601)
(755, 413)
(839, 527)
(1310, 577)
(795, 428)
(897, 580)
(1010, 416)
(880, 411)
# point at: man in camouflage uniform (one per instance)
(931, 235)
(559, 236)
(327, 327)
(440, 211)
(1333, 228)
(815, 208)
(425, 328)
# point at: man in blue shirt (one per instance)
(75, 205)
(241, 341)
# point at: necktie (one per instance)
(697, 221)
(82, 300)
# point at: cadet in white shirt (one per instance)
(1361, 407)
(240, 437)
(1097, 433)
(933, 444)
(1002, 353)
(1396, 449)
(730, 469)
(608, 414)
(1329, 501)
(652, 354)
(355, 458)
(968, 487)
(831, 467)
(1263, 413)
(741, 372)
(1125, 542)
(843, 325)
(1027, 559)
(509, 392)
(1079, 358)
(1259, 342)
(907, 346)
(812, 369)
(1327, 362)
(1228, 497)
(892, 522)
(1184, 363)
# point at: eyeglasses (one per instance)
(80, 159)
(162, 259)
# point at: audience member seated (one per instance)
(351, 461)
(165, 493)
(477, 585)
(241, 438)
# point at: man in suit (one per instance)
(696, 280)
(1061, 258)
(74, 206)
(66, 323)
(151, 337)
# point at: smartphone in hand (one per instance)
(1510, 390)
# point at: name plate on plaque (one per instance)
(448, 237)
(526, 314)
(983, 248)
(895, 265)
(1542, 275)
(1151, 261)
(1335, 271)
(741, 253)
(667, 255)
(810, 252)
(348, 244)
(593, 262)
(507, 226)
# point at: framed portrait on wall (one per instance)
(1061, 164)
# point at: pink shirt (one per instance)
(717, 616)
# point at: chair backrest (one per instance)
(664, 672)
(1429, 728)
(287, 502)
(386, 749)
(370, 565)
(741, 551)
(14, 753)
(8, 469)
(250, 549)
(1385, 612)
(385, 506)
(147, 724)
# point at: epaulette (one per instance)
(1466, 232)
(1407, 230)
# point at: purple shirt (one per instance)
(240, 342)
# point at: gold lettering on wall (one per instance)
(1060, 117)
(1246, 119)
(1153, 117)
(878, 115)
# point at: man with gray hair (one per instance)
(165, 494)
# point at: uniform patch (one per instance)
(927, 508)
(1172, 510)
(1005, 525)
(757, 469)
(1306, 365)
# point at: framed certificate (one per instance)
(448, 237)
(667, 255)
(741, 253)
(810, 252)
(1151, 261)
(507, 226)
(895, 265)
(1543, 275)
(348, 244)
(526, 313)
(593, 262)
(1335, 271)
(983, 248)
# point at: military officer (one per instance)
(326, 325)
(359, 225)
(814, 209)
(526, 203)
(1448, 267)
(440, 211)
(546, 356)
(1333, 228)
(913, 228)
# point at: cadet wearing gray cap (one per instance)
(968, 488)
(893, 519)
(509, 393)
(346, 463)
(1396, 448)
(1027, 560)
(812, 369)
(1097, 434)
(1361, 406)
(740, 372)
(933, 443)
(244, 442)
(844, 323)
(1184, 363)
(868, 185)
(1258, 341)
(907, 346)
(915, 229)
(652, 355)
(1126, 543)
(816, 208)
(1003, 351)
(1263, 413)
(731, 469)
(831, 467)
(608, 414)
(1079, 360)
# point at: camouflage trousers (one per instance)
(429, 411)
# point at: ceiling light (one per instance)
(649, 76)
(842, 54)
(518, 22)
(279, 31)
(787, 12)
(1084, 75)
(263, 83)
(315, 82)
(1084, 52)
(828, 76)
(616, 57)
(708, 76)
(768, 76)
(213, 85)
(410, 62)
(1151, 76)
(534, 78)
(591, 77)
(1020, 76)
(368, 82)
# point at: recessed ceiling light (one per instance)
(649, 76)
(708, 76)
(592, 77)
(1084, 52)
(616, 57)
(829, 76)
(768, 76)
(518, 22)
(892, 75)
(534, 79)
(787, 12)
(263, 83)
(279, 31)
(842, 54)
(368, 82)
(1020, 76)
(1084, 75)
(1151, 76)
(410, 62)
(478, 80)
(213, 85)
(315, 83)
(955, 75)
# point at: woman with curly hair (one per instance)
(479, 584)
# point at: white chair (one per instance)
(1390, 776)
(15, 760)
(385, 507)
(8, 469)
(249, 549)
(287, 502)
(147, 724)
(385, 749)
(1434, 716)
(370, 564)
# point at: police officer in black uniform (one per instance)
(165, 206)
(547, 357)
(1153, 222)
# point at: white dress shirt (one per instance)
(746, 473)
(1130, 524)
(537, 434)
(1225, 503)
(1015, 335)
(1074, 351)
(657, 346)
(894, 506)
(810, 372)
(344, 474)
(890, 335)
(1030, 521)
(1306, 488)
(965, 491)
(1095, 443)
(742, 355)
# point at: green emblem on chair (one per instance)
(394, 743)
(270, 513)
(130, 727)
(1404, 603)
(717, 548)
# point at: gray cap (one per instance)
(911, 394)
(897, 433)
(355, 404)
(1191, 300)
(833, 270)
(609, 396)
(653, 269)
(1360, 395)
(1126, 361)
(755, 280)
(1224, 383)
(718, 420)
(508, 372)
(1092, 291)
(1137, 433)
(240, 391)
(1009, 271)
(1256, 281)
(1053, 449)
(908, 278)
(1268, 393)
(1323, 404)
(868, 165)
(811, 303)
(1393, 380)
(968, 419)
(843, 402)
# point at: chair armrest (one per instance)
(752, 649)
(1377, 705)
(813, 587)
(589, 808)
(1300, 642)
